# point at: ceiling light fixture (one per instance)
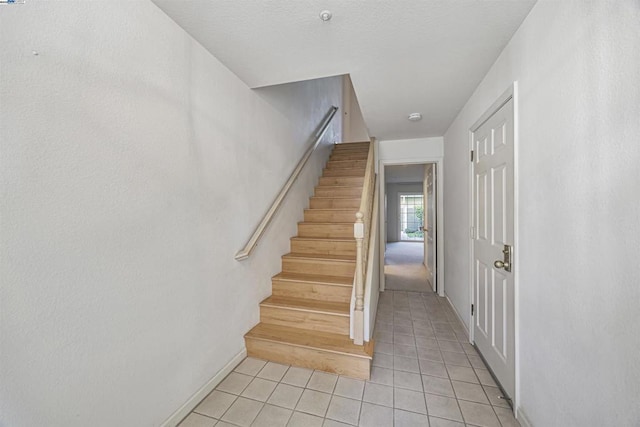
(325, 15)
(414, 117)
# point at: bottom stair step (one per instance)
(310, 349)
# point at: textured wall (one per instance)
(134, 166)
(576, 63)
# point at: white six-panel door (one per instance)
(493, 228)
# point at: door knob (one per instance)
(501, 264)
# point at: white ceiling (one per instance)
(403, 55)
(404, 173)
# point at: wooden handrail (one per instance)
(361, 232)
(262, 226)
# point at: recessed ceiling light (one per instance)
(414, 117)
(325, 15)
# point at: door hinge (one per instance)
(472, 309)
(472, 155)
(472, 232)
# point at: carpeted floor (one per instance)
(404, 269)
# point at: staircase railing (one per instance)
(268, 216)
(362, 232)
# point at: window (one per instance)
(411, 217)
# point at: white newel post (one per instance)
(358, 327)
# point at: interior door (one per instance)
(493, 228)
(430, 225)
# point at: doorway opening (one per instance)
(409, 236)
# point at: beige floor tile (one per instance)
(407, 380)
(451, 358)
(259, 389)
(451, 346)
(437, 385)
(322, 381)
(384, 348)
(441, 422)
(344, 410)
(443, 407)
(313, 402)
(381, 376)
(478, 414)
(435, 369)
(427, 343)
(405, 364)
(430, 354)
(242, 412)
(382, 360)
(404, 339)
(250, 366)
(485, 377)
(409, 419)
(492, 394)
(461, 373)
(408, 400)
(375, 416)
(300, 419)
(505, 415)
(349, 387)
(215, 404)
(273, 371)
(378, 394)
(471, 392)
(197, 420)
(285, 395)
(334, 423)
(235, 383)
(272, 416)
(297, 376)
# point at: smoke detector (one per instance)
(325, 15)
(415, 117)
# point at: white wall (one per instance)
(576, 64)
(354, 129)
(134, 166)
(409, 149)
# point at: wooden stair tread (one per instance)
(324, 239)
(323, 341)
(315, 278)
(326, 307)
(320, 257)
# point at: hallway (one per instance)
(404, 269)
(425, 373)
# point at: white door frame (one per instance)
(439, 214)
(510, 93)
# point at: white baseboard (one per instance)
(193, 401)
(453, 307)
(522, 418)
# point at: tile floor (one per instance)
(425, 373)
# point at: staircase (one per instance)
(306, 320)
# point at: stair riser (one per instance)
(351, 366)
(321, 215)
(338, 192)
(356, 146)
(321, 322)
(325, 248)
(315, 203)
(314, 291)
(344, 231)
(355, 181)
(349, 156)
(343, 172)
(347, 164)
(316, 266)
